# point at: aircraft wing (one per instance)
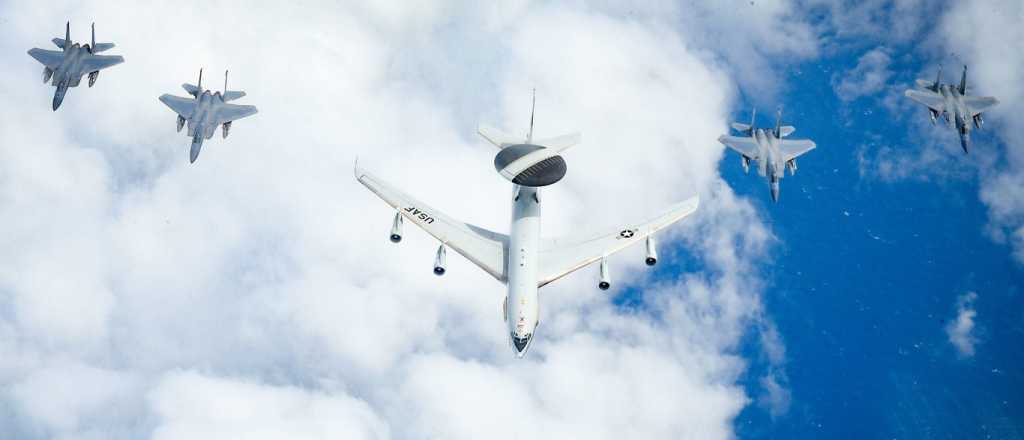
(49, 58)
(744, 145)
(231, 112)
(978, 104)
(792, 149)
(932, 100)
(94, 63)
(559, 257)
(486, 249)
(181, 106)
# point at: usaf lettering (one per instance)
(416, 213)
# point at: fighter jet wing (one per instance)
(792, 149)
(560, 257)
(486, 249)
(978, 104)
(745, 145)
(49, 58)
(932, 100)
(231, 112)
(181, 106)
(93, 63)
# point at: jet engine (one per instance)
(606, 279)
(93, 76)
(47, 73)
(225, 128)
(530, 165)
(396, 229)
(439, 261)
(978, 121)
(791, 165)
(934, 115)
(652, 252)
(181, 122)
(746, 164)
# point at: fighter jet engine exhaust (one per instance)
(93, 76)
(652, 252)
(396, 229)
(606, 279)
(791, 165)
(47, 73)
(439, 261)
(181, 122)
(225, 128)
(746, 164)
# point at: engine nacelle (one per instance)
(652, 252)
(791, 165)
(93, 76)
(181, 122)
(606, 279)
(978, 121)
(396, 229)
(225, 128)
(530, 165)
(934, 115)
(439, 261)
(47, 73)
(746, 164)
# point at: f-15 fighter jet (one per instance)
(768, 148)
(522, 260)
(953, 104)
(67, 66)
(205, 111)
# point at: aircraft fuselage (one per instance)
(522, 311)
(771, 162)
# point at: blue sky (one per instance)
(255, 292)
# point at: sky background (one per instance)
(254, 294)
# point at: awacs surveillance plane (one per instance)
(67, 66)
(522, 259)
(947, 100)
(768, 148)
(205, 111)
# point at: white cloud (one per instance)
(868, 77)
(961, 330)
(255, 291)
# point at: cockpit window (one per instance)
(522, 342)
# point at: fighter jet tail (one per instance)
(67, 36)
(230, 95)
(99, 47)
(963, 82)
(745, 128)
(195, 90)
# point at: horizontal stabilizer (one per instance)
(497, 137)
(560, 143)
(233, 95)
(740, 127)
(100, 47)
(786, 130)
(59, 42)
(191, 89)
(925, 83)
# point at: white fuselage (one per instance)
(521, 304)
(955, 107)
(771, 162)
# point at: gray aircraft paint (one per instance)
(205, 111)
(769, 149)
(953, 104)
(64, 69)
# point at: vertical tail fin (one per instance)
(67, 36)
(225, 81)
(963, 82)
(93, 35)
(778, 123)
(938, 78)
(533, 106)
(200, 83)
(753, 115)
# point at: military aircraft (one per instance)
(953, 104)
(205, 111)
(522, 260)
(66, 67)
(768, 148)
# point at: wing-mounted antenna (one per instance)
(533, 106)
(963, 81)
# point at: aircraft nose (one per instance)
(521, 343)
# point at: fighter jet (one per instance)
(522, 260)
(67, 67)
(205, 111)
(953, 104)
(768, 148)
